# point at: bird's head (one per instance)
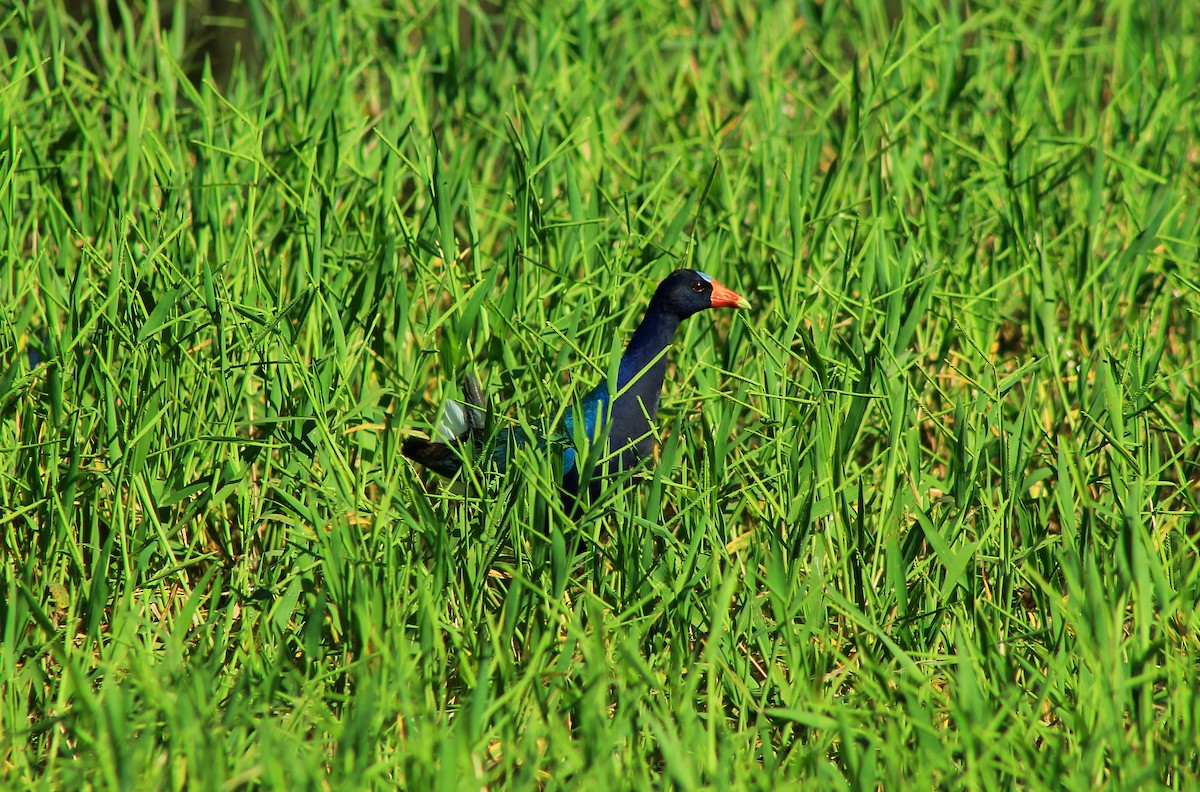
(686, 291)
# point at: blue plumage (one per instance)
(628, 419)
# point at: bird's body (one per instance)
(628, 419)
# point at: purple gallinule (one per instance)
(629, 418)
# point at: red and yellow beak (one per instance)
(723, 297)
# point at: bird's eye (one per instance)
(697, 287)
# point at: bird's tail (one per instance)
(459, 422)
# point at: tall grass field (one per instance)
(926, 516)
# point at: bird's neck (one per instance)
(644, 363)
(639, 385)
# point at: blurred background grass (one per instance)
(926, 515)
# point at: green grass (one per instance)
(926, 516)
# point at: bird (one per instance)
(461, 430)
